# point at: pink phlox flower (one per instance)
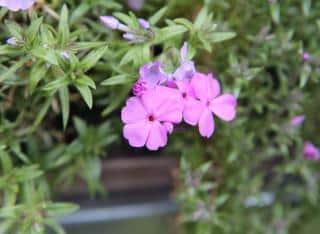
(16, 5)
(311, 152)
(202, 100)
(149, 119)
(297, 120)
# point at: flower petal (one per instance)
(157, 136)
(205, 87)
(134, 111)
(165, 103)
(152, 74)
(206, 123)
(224, 107)
(192, 111)
(137, 133)
(169, 127)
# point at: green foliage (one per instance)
(63, 83)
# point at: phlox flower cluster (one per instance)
(161, 100)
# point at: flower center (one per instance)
(151, 118)
(184, 95)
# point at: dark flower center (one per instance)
(184, 95)
(151, 118)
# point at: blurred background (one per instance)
(257, 174)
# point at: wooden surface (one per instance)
(132, 174)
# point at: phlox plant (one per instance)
(79, 79)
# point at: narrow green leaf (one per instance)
(222, 36)
(33, 30)
(64, 32)
(65, 105)
(86, 94)
(169, 32)
(46, 54)
(42, 113)
(275, 12)
(88, 45)
(201, 18)
(92, 58)
(86, 80)
(61, 208)
(37, 73)
(14, 29)
(116, 80)
(154, 19)
(13, 69)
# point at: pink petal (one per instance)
(205, 87)
(134, 111)
(165, 103)
(169, 127)
(224, 107)
(206, 124)
(192, 111)
(157, 136)
(137, 133)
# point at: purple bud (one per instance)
(65, 55)
(12, 41)
(110, 22)
(129, 36)
(310, 152)
(135, 4)
(144, 23)
(296, 121)
(306, 56)
(139, 88)
(271, 1)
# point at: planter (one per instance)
(138, 201)
(157, 217)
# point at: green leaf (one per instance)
(86, 80)
(46, 54)
(65, 105)
(116, 80)
(86, 94)
(8, 74)
(130, 56)
(201, 18)
(169, 32)
(79, 12)
(54, 225)
(42, 113)
(64, 32)
(185, 23)
(275, 12)
(37, 73)
(154, 19)
(9, 50)
(14, 29)
(125, 19)
(60, 208)
(33, 30)
(222, 36)
(88, 45)
(5, 162)
(306, 6)
(80, 126)
(53, 86)
(92, 58)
